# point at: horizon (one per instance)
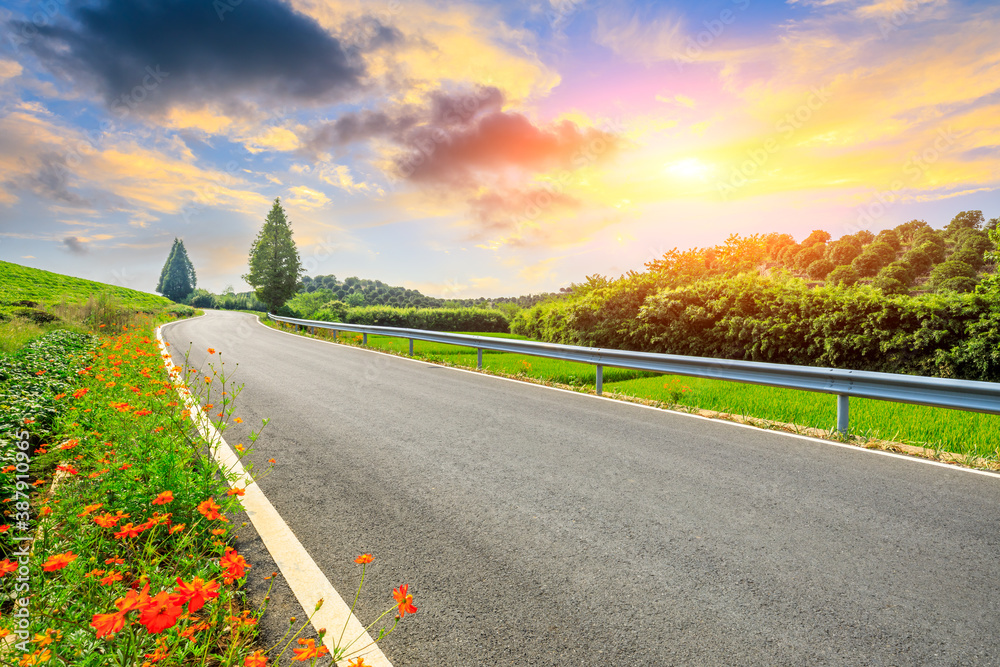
(483, 149)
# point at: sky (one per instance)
(472, 149)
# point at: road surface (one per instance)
(539, 527)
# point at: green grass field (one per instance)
(33, 301)
(956, 431)
(22, 283)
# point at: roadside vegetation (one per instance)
(117, 545)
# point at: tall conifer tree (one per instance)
(275, 268)
(177, 278)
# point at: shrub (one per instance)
(946, 271)
(820, 269)
(842, 275)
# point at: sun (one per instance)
(688, 168)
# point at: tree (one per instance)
(274, 261)
(177, 278)
(820, 269)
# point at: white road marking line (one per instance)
(304, 577)
(855, 448)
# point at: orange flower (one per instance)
(159, 654)
(133, 600)
(93, 573)
(59, 561)
(90, 508)
(69, 444)
(210, 510)
(357, 662)
(164, 498)
(211, 350)
(128, 530)
(218, 531)
(235, 491)
(108, 624)
(237, 420)
(160, 613)
(7, 566)
(258, 659)
(208, 380)
(80, 393)
(4, 528)
(111, 578)
(116, 561)
(107, 520)
(233, 564)
(310, 651)
(364, 559)
(177, 528)
(195, 593)
(404, 600)
(143, 413)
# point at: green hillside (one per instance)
(21, 283)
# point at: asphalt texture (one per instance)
(539, 527)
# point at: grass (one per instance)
(22, 283)
(967, 434)
(34, 302)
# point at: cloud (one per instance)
(306, 198)
(152, 55)
(357, 126)
(9, 69)
(75, 245)
(460, 148)
(639, 37)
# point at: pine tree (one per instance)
(177, 278)
(274, 261)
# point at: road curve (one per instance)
(538, 527)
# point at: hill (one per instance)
(24, 284)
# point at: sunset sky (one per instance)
(481, 149)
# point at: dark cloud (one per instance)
(152, 54)
(51, 180)
(444, 110)
(358, 126)
(75, 245)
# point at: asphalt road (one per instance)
(538, 527)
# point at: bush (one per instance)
(842, 275)
(961, 284)
(899, 271)
(820, 269)
(432, 319)
(201, 298)
(951, 269)
(889, 285)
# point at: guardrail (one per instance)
(967, 395)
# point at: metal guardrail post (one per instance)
(600, 379)
(364, 339)
(411, 347)
(843, 410)
(334, 335)
(479, 358)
